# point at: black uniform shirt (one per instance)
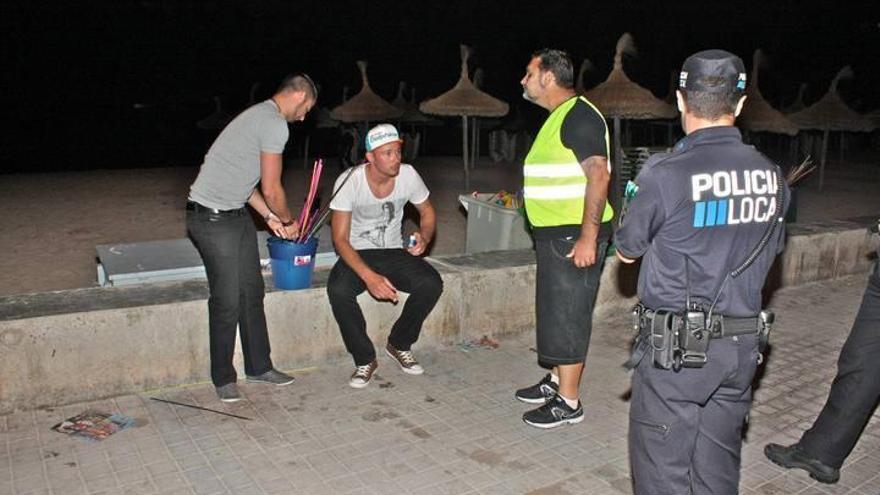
(709, 202)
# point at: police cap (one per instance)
(713, 71)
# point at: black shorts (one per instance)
(564, 300)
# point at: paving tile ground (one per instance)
(454, 430)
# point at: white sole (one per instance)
(249, 380)
(554, 425)
(531, 401)
(359, 385)
(231, 400)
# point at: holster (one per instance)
(678, 340)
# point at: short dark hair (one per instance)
(559, 63)
(711, 105)
(299, 82)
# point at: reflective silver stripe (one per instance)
(553, 170)
(555, 192)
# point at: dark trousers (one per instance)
(564, 299)
(856, 388)
(407, 273)
(228, 246)
(685, 429)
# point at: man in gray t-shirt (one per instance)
(246, 153)
(367, 219)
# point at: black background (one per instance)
(120, 84)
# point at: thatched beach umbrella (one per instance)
(366, 106)
(411, 113)
(798, 104)
(620, 98)
(830, 113)
(757, 115)
(465, 100)
(579, 87)
(874, 118)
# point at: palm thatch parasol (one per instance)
(411, 113)
(618, 97)
(830, 113)
(465, 100)
(874, 117)
(366, 106)
(798, 104)
(757, 114)
(586, 66)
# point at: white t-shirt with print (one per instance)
(377, 223)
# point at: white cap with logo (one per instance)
(382, 134)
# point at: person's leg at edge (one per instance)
(856, 388)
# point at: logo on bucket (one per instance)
(302, 260)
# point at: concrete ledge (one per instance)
(68, 346)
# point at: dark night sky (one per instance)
(73, 72)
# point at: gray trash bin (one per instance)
(492, 227)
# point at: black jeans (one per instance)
(228, 246)
(564, 300)
(856, 388)
(406, 272)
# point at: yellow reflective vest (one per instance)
(554, 183)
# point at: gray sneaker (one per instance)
(229, 393)
(273, 377)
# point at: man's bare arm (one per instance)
(427, 226)
(596, 193)
(270, 186)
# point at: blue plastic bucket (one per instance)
(292, 263)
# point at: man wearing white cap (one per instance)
(367, 228)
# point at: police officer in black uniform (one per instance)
(706, 221)
(851, 402)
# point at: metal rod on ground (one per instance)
(199, 408)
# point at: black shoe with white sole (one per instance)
(538, 393)
(554, 413)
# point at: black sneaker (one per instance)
(539, 393)
(554, 413)
(793, 457)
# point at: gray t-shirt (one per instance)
(377, 223)
(232, 165)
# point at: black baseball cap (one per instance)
(713, 71)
